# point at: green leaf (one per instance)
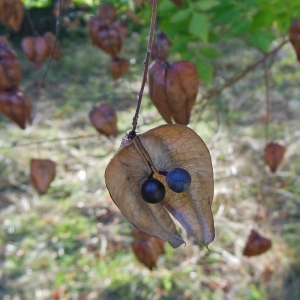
(210, 52)
(179, 44)
(165, 6)
(261, 39)
(251, 3)
(229, 15)
(199, 26)
(206, 4)
(262, 18)
(181, 15)
(205, 70)
(241, 27)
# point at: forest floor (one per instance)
(73, 242)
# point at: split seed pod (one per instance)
(162, 149)
(108, 12)
(161, 47)
(12, 13)
(147, 248)
(10, 69)
(173, 89)
(294, 37)
(274, 154)
(42, 173)
(118, 67)
(109, 40)
(104, 119)
(16, 105)
(256, 244)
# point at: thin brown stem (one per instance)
(218, 89)
(268, 112)
(146, 62)
(58, 21)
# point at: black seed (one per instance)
(153, 191)
(178, 180)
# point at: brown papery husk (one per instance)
(109, 41)
(104, 119)
(294, 37)
(108, 12)
(94, 25)
(256, 244)
(50, 39)
(169, 146)
(274, 154)
(173, 89)
(118, 67)
(42, 173)
(16, 105)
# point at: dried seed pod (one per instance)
(36, 49)
(161, 47)
(109, 41)
(294, 37)
(118, 67)
(12, 13)
(256, 244)
(122, 29)
(173, 89)
(147, 248)
(274, 154)
(108, 12)
(50, 39)
(42, 173)
(16, 105)
(94, 25)
(10, 69)
(104, 119)
(160, 149)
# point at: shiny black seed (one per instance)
(178, 180)
(153, 191)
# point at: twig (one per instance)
(218, 89)
(268, 116)
(32, 25)
(14, 145)
(149, 48)
(58, 20)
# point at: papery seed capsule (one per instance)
(153, 191)
(178, 180)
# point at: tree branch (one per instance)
(218, 89)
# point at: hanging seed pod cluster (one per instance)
(14, 102)
(39, 48)
(12, 13)
(108, 34)
(173, 89)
